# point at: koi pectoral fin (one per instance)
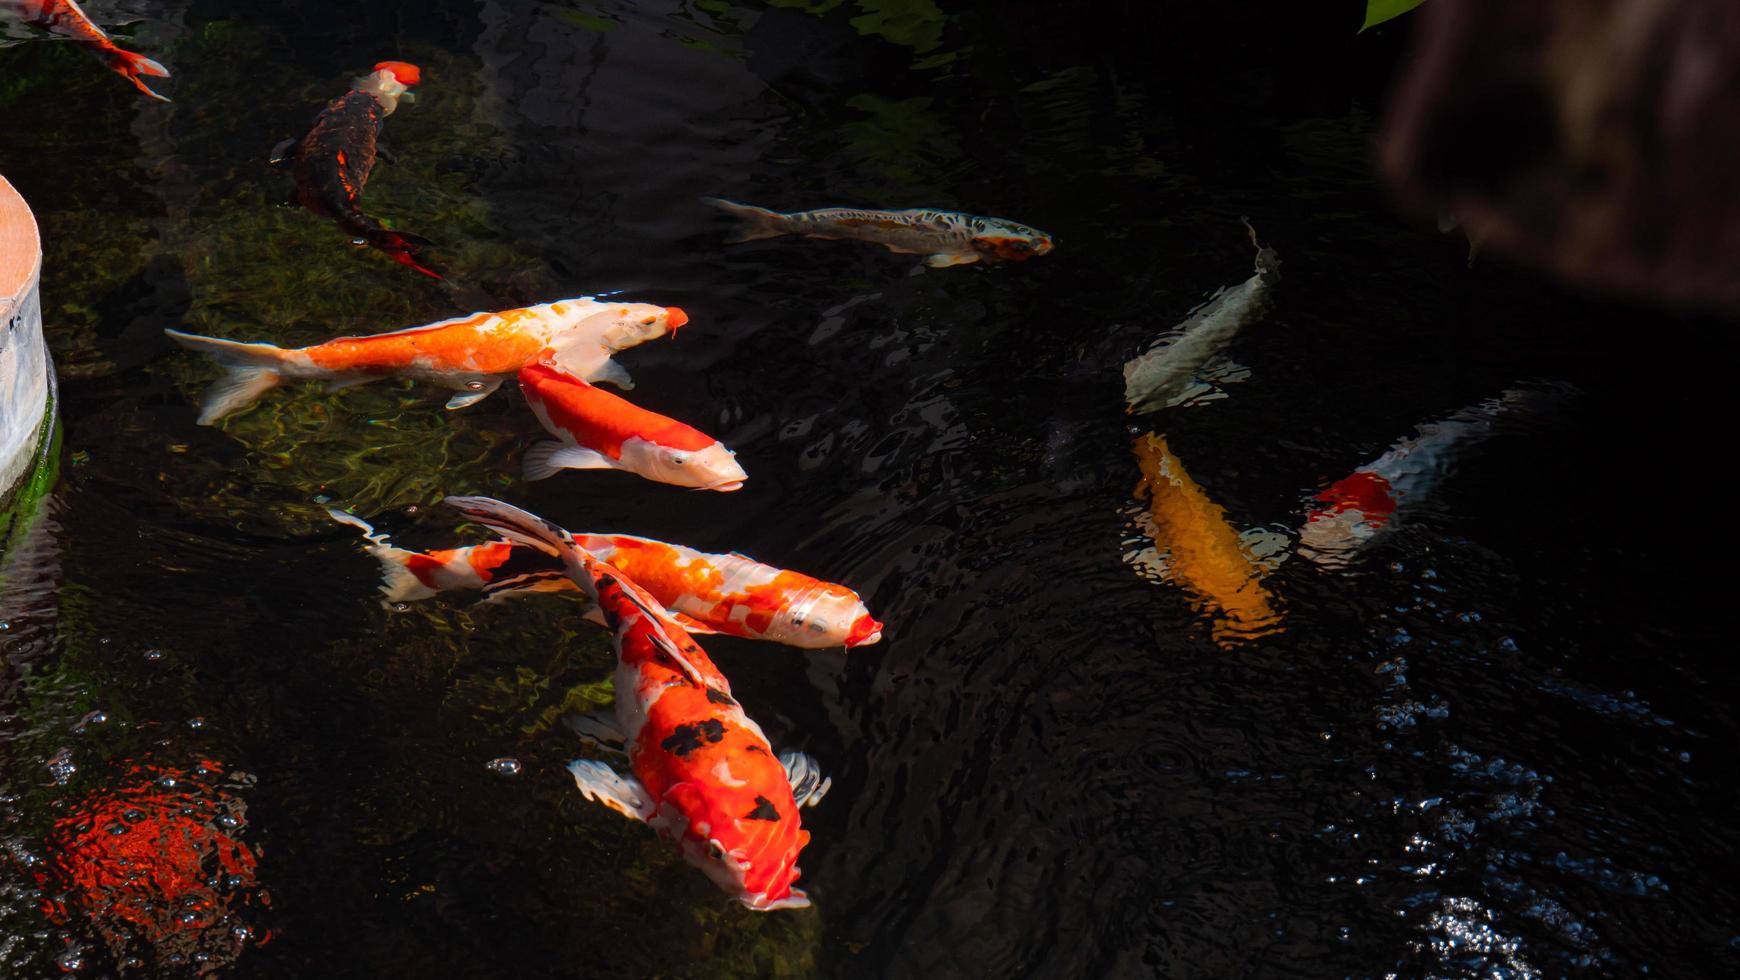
(612, 373)
(942, 260)
(624, 794)
(691, 624)
(282, 152)
(808, 785)
(544, 459)
(600, 731)
(466, 399)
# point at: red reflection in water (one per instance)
(155, 861)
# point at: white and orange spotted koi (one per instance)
(706, 593)
(701, 771)
(471, 354)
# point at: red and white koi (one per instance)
(471, 354)
(596, 430)
(706, 593)
(66, 18)
(1349, 514)
(702, 771)
(944, 238)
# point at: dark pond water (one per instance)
(1496, 743)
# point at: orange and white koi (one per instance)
(66, 18)
(1185, 365)
(471, 354)
(944, 238)
(702, 771)
(332, 162)
(706, 593)
(596, 430)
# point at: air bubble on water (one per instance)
(321, 498)
(400, 607)
(242, 933)
(117, 829)
(1507, 644)
(167, 782)
(61, 767)
(71, 961)
(1397, 567)
(504, 766)
(154, 655)
(228, 822)
(196, 723)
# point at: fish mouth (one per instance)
(726, 487)
(864, 632)
(675, 317)
(403, 72)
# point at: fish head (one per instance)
(1010, 242)
(828, 616)
(711, 468)
(619, 326)
(1348, 514)
(390, 81)
(746, 838)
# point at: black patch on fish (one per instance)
(688, 738)
(719, 697)
(605, 582)
(523, 560)
(763, 810)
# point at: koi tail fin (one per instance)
(404, 247)
(757, 223)
(518, 526)
(1268, 260)
(251, 370)
(398, 582)
(134, 68)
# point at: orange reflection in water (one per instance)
(155, 862)
(1201, 551)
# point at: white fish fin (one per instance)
(514, 524)
(942, 260)
(758, 223)
(398, 584)
(368, 530)
(600, 731)
(595, 615)
(465, 399)
(808, 785)
(1223, 370)
(624, 794)
(1266, 547)
(690, 623)
(669, 646)
(545, 459)
(612, 373)
(252, 370)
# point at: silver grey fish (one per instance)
(944, 238)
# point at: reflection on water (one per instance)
(1195, 547)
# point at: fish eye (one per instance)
(679, 459)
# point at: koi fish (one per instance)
(472, 354)
(705, 593)
(66, 18)
(331, 163)
(1184, 365)
(596, 430)
(1349, 514)
(1196, 547)
(701, 770)
(944, 238)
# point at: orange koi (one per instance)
(701, 771)
(597, 430)
(705, 593)
(66, 18)
(471, 354)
